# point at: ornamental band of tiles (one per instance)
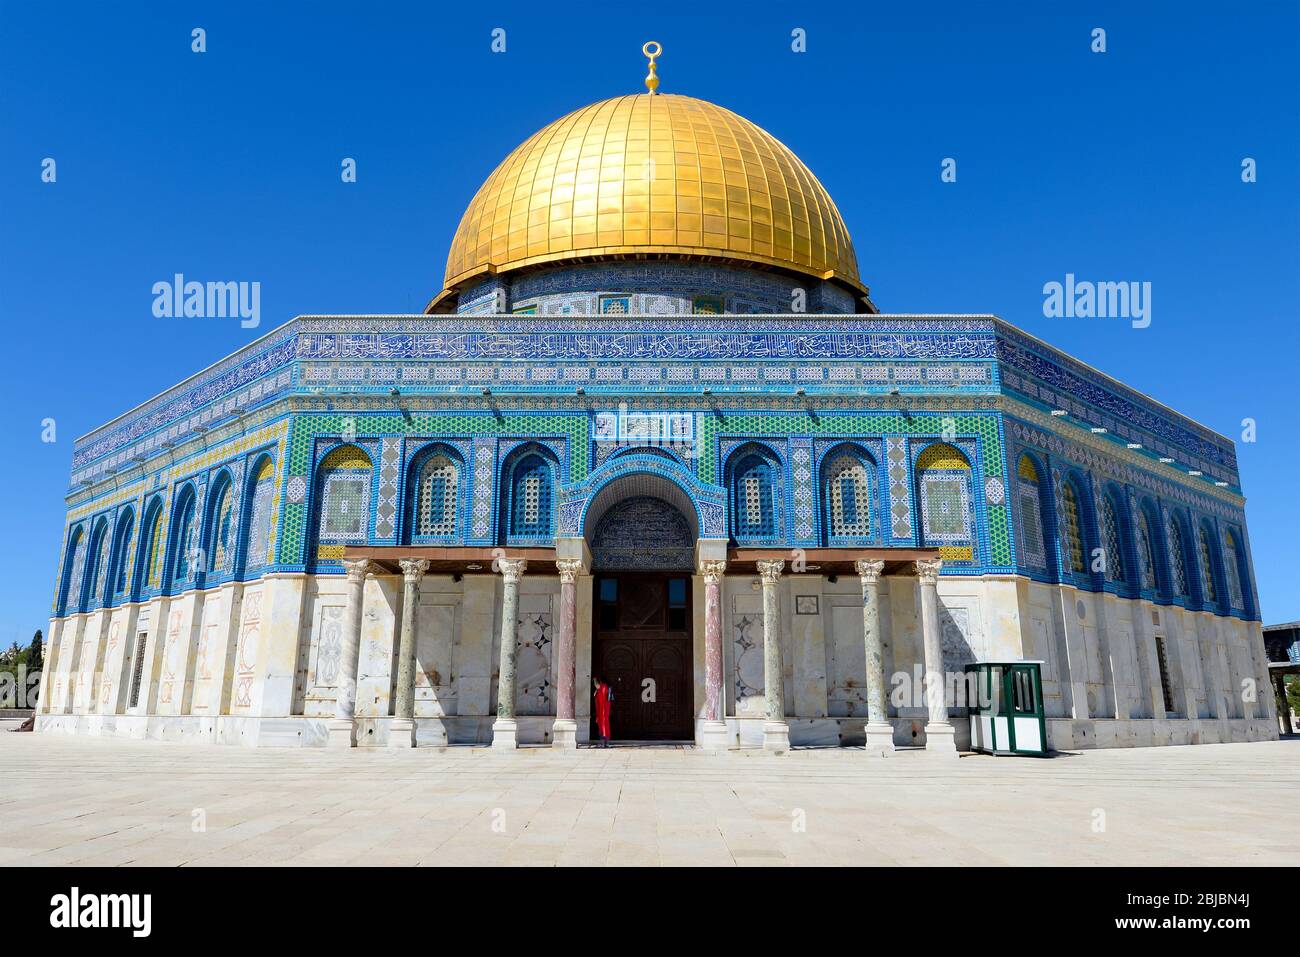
(661, 361)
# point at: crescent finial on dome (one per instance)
(652, 49)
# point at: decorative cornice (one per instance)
(247, 388)
(1110, 449)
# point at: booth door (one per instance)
(1025, 709)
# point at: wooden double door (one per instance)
(642, 647)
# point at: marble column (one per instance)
(940, 737)
(713, 734)
(401, 731)
(564, 733)
(880, 733)
(342, 727)
(776, 731)
(505, 728)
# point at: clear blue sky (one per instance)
(225, 165)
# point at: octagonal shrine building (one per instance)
(653, 428)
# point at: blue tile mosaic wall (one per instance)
(604, 370)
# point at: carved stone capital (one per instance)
(868, 570)
(569, 569)
(511, 569)
(358, 569)
(413, 569)
(770, 572)
(712, 569)
(928, 570)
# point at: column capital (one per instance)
(770, 572)
(712, 569)
(927, 569)
(413, 569)
(869, 570)
(569, 569)
(358, 569)
(511, 569)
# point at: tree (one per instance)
(35, 653)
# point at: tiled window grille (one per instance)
(1073, 528)
(1146, 552)
(945, 494)
(152, 554)
(1031, 514)
(101, 568)
(92, 576)
(122, 554)
(346, 503)
(437, 499)
(850, 502)
(754, 513)
(345, 498)
(259, 520)
(185, 545)
(1236, 593)
(222, 519)
(1114, 541)
(946, 507)
(1177, 558)
(1207, 567)
(615, 305)
(531, 515)
(76, 569)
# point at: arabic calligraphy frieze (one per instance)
(1137, 413)
(174, 405)
(641, 346)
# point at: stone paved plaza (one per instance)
(69, 800)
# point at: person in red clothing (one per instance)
(604, 697)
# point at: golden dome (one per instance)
(658, 175)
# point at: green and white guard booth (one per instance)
(1006, 707)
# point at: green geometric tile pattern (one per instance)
(307, 426)
(982, 425)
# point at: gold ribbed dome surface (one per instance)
(652, 174)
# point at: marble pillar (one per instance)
(564, 733)
(401, 732)
(940, 737)
(880, 733)
(776, 731)
(342, 727)
(505, 729)
(713, 734)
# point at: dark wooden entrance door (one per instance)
(642, 648)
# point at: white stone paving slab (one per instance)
(95, 801)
